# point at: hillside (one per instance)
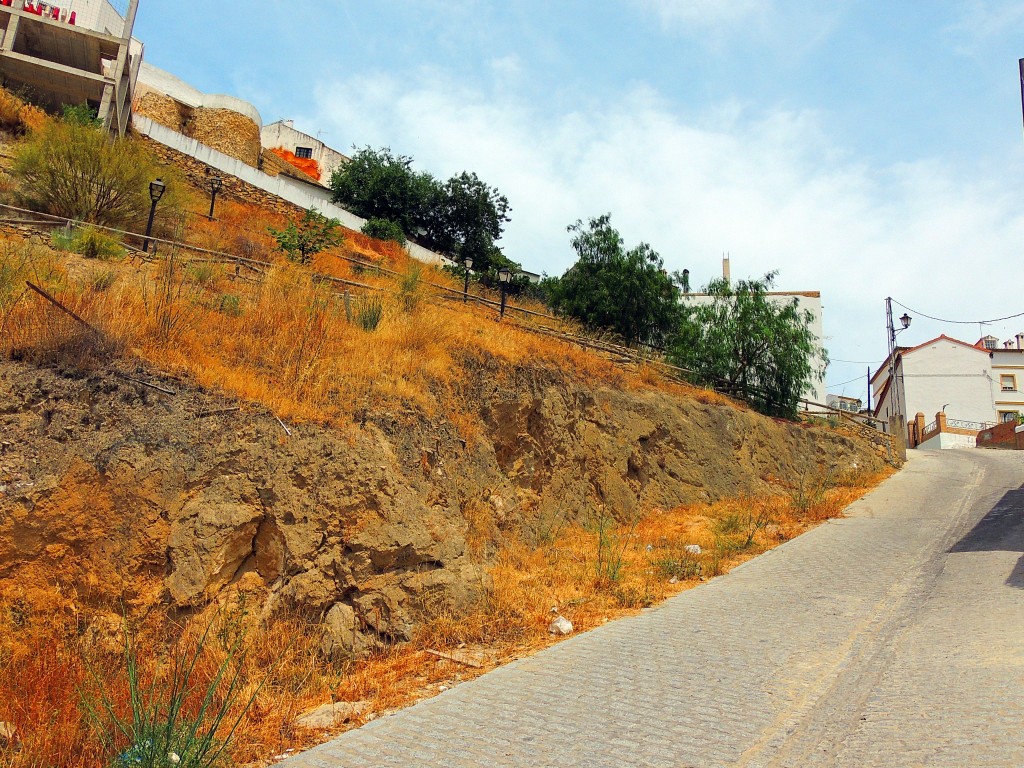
(358, 472)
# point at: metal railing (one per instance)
(975, 426)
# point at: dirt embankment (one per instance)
(118, 492)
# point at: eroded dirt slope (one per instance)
(118, 491)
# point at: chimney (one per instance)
(1007, 345)
(288, 123)
(725, 268)
(1020, 337)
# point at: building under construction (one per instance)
(78, 52)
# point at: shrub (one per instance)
(89, 242)
(303, 239)
(16, 116)
(384, 229)
(81, 114)
(369, 313)
(81, 173)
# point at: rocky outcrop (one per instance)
(114, 485)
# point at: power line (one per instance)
(958, 322)
(842, 383)
(855, 362)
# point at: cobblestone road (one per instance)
(893, 637)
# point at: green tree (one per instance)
(302, 240)
(377, 184)
(744, 341)
(608, 287)
(460, 217)
(79, 172)
(470, 218)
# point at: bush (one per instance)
(89, 242)
(384, 229)
(369, 313)
(301, 240)
(79, 172)
(16, 116)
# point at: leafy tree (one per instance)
(460, 217)
(744, 340)
(627, 292)
(377, 184)
(304, 239)
(79, 172)
(471, 218)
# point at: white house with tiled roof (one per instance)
(978, 383)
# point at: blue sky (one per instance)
(862, 149)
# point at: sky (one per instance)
(861, 149)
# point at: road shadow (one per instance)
(1000, 530)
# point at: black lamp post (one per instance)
(905, 322)
(467, 262)
(504, 277)
(156, 191)
(216, 185)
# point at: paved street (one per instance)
(893, 637)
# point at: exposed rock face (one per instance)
(113, 485)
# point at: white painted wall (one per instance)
(946, 440)
(944, 372)
(816, 391)
(295, 192)
(282, 134)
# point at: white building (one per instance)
(843, 403)
(283, 135)
(973, 384)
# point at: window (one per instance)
(991, 342)
(304, 152)
(1008, 382)
(1005, 416)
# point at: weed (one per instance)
(172, 721)
(102, 279)
(203, 272)
(611, 547)
(230, 305)
(680, 565)
(369, 312)
(410, 287)
(809, 491)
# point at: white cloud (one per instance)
(771, 188)
(982, 21)
(704, 13)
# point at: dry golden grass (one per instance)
(284, 342)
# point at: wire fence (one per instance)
(525, 319)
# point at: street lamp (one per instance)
(216, 185)
(905, 322)
(504, 277)
(467, 262)
(156, 191)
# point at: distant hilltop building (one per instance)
(806, 300)
(305, 152)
